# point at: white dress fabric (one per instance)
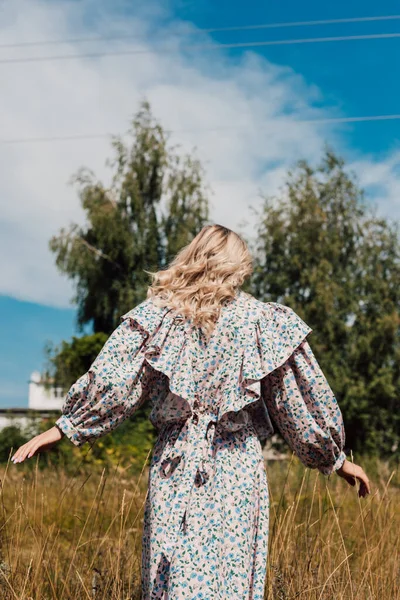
(207, 510)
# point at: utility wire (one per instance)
(77, 137)
(207, 46)
(208, 30)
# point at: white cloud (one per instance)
(244, 100)
(381, 181)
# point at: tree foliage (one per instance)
(156, 203)
(68, 361)
(322, 250)
(319, 247)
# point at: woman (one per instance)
(215, 363)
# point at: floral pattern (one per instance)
(207, 510)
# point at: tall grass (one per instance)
(78, 537)
(326, 543)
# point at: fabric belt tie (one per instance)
(191, 447)
(197, 432)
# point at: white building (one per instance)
(42, 402)
(40, 398)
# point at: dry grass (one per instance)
(79, 537)
(329, 544)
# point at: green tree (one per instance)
(68, 361)
(322, 250)
(156, 204)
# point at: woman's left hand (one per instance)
(44, 441)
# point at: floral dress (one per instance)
(207, 509)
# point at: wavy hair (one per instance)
(203, 276)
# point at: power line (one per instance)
(209, 46)
(208, 30)
(78, 137)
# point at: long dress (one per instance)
(206, 518)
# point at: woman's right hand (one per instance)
(43, 441)
(351, 472)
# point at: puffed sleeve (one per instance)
(118, 382)
(305, 410)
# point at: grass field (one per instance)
(78, 536)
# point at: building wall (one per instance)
(41, 398)
(24, 417)
(6, 420)
(42, 403)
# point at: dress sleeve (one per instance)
(116, 385)
(305, 410)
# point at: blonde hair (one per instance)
(204, 275)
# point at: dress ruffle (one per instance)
(272, 333)
(256, 365)
(115, 386)
(167, 349)
(278, 332)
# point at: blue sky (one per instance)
(188, 89)
(25, 327)
(358, 77)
